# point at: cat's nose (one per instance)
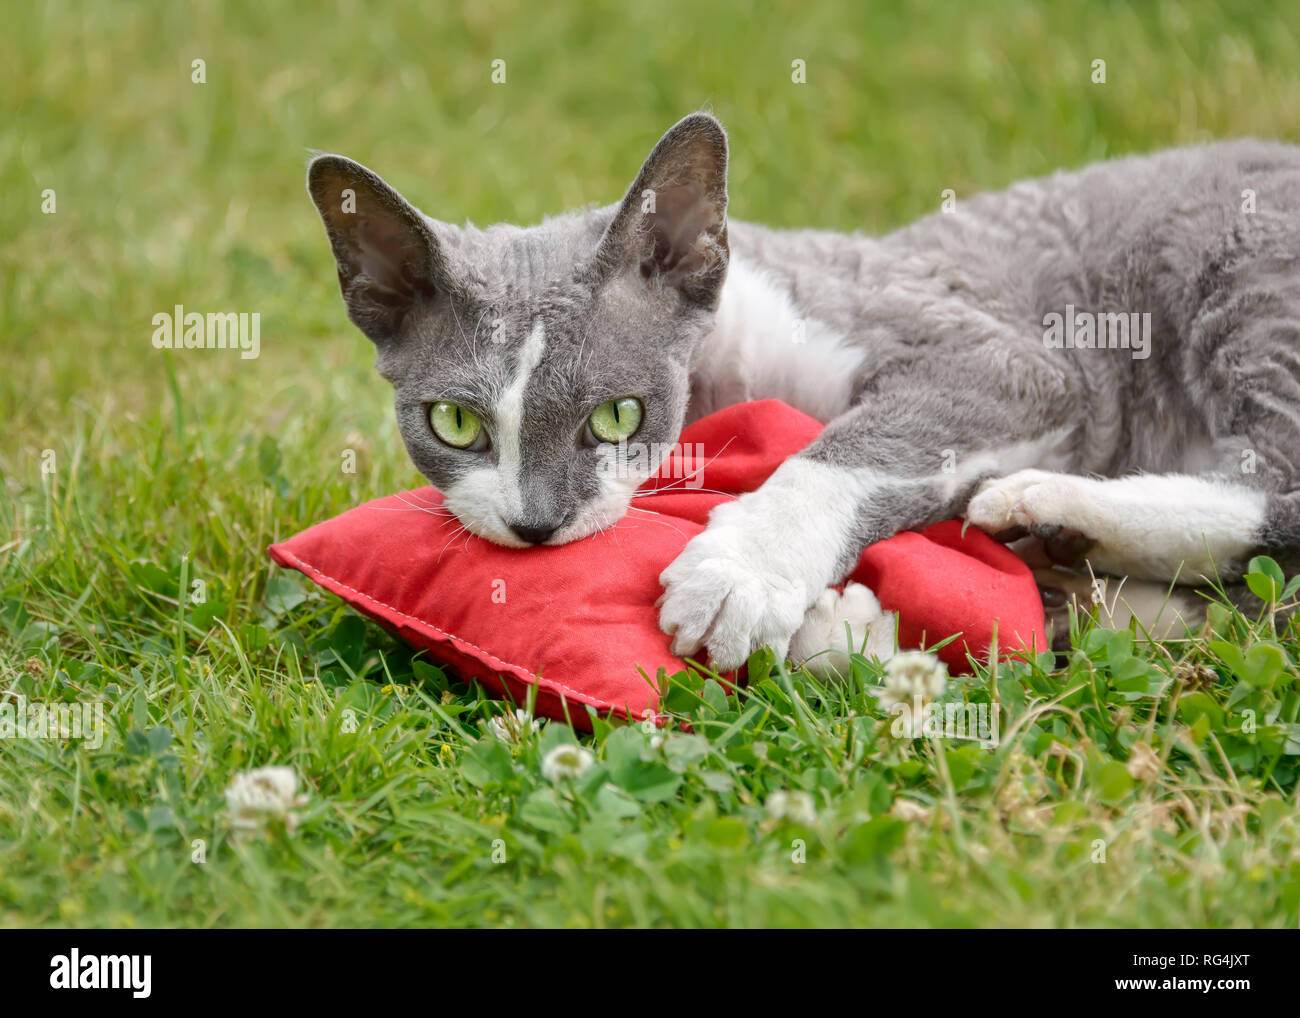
(533, 535)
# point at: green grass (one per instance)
(170, 468)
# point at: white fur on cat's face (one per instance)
(481, 501)
(531, 329)
(540, 477)
(488, 499)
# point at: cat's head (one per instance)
(539, 372)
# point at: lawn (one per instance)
(1136, 785)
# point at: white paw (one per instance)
(1027, 498)
(1055, 502)
(839, 624)
(723, 593)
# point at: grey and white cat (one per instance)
(521, 357)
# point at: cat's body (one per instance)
(1157, 234)
(924, 350)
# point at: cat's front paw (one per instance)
(724, 593)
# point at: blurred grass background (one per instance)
(173, 192)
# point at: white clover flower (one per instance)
(564, 763)
(797, 807)
(513, 728)
(907, 810)
(264, 793)
(910, 674)
(1143, 762)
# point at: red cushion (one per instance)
(580, 619)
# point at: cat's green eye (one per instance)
(455, 425)
(616, 420)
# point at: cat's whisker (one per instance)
(669, 489)
(482, 315)
(432, 510)
(455, 534)
(657, 517)
(704, 466)
(682, 480)
(461, 328)
(428, 511)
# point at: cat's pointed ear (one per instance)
(671, 227)
(388, 258)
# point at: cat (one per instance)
(1110, 354)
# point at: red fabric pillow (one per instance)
(579, 620)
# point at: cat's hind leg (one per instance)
(1149, 526)
(841, 623)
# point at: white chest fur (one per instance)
(763, 347)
